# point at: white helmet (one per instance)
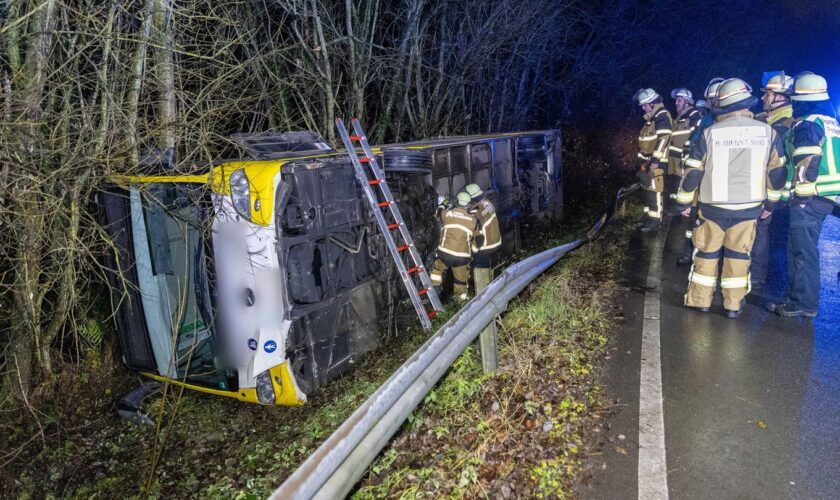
(682, 92)
(645, 96)
(779, 83)
(711, 89)
(733, 90)
(810, 87)
(464, 199)
(474, 190)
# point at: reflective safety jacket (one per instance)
(684, 126)
(731, 166)
(458, 227)
(814, 145)
(655, 137)
(781, 119)
(488, 226)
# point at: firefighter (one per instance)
(489, 237)
(777, 112)
(814, 169)
(459, 227)
(705, 121)
(702, 108)
(730, 168)
(688, 118)
(653, 149)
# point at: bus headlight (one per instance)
(265, 389)
(240, 193)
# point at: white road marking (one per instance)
(653, 474)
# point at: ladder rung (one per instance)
(393, 226)
(375, 182)
(356, 138)
(423, 292)
(364, 159)
(432, 314)
(384, 203)
(415, 269)
(402, 248)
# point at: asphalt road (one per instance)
(751, 405)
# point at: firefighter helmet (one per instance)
(711, 89)
(810, 87)
(645, 96)
(779, 83)
(733, 90)
(473, 190)
(464, 199)
(682, 92)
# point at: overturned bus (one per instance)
(265, 278)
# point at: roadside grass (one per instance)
(525, 430)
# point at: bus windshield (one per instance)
(170, 233)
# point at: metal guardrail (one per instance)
(335, 467)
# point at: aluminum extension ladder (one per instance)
(379, 209)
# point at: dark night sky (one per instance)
(670, 43)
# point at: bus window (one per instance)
(457, 160)
(442, 186)
(440, 163)
(504, 164)
(481, 160)
(458, 182)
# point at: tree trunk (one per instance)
(138, 63)
(165, 73)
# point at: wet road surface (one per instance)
(751, 405)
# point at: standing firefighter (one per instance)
(489, 237)
(778, 113)
(653, 150)
(730, 168)
(814, 144)
(688, 118)
(458, 228)
(706, 120)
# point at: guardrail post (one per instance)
(489, 349)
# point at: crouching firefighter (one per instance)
(489, 237)
(458, 228)
(653, 155)
(731, 167)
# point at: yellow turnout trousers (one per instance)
(460, 273)
(731, 239)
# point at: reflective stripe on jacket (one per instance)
(655, 135)
(733, 163)
(683, 128)
(488, 225)
(813, 145)
(458, 230)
